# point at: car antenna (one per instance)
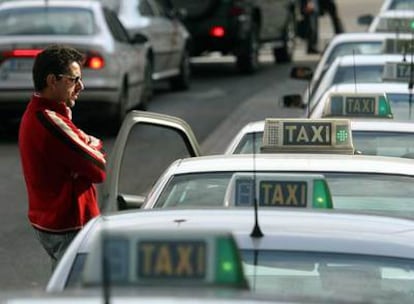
(309, 99)
(256, 232)
(411, 80)
(106, 271)
(354, 68)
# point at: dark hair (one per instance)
(55, 59)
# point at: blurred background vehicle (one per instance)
(168, 55)
(113, 73)
(240, 28)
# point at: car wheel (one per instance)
(285, 54)
(148, 87)
(182, 80)
(248, 58)
(121, 109)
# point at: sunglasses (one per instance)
(74, 79)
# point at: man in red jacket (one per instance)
(60, 162)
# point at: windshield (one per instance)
(355, 191)
(359, 74)
(402, 105)
(402, 5)
(396, 144)
(360, 47)
(320, 273)
(47, 21)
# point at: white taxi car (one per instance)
(330, 255)
(369, 136)
(345, 69)
(114, 68)
(397, 94)
(393, 21)
(168, 56)
(287, 178)
(357, 43)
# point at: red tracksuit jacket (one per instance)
(60, 165)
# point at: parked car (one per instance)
(168, 56)
(113, 74)
(240, 28)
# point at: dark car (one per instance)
(240, 28)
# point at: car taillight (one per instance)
(217, 31)
(94, 61)
(19, 53)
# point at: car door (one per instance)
(131, 60)
(146, 144)
(274, 15)
(158, 29)
(177, 35)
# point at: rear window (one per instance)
(47, 21)
(359, 74)
(402, 5)
(195, 9)
(355, 48)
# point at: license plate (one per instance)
(19, 65)
(171, 260)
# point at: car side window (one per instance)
(158, 9)
(118, 31)
(145, 8)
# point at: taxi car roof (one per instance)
(380, 88)
(139, 295)
(396, 13)
(367, 36)
(382, 125)
(294, 162)
(37, 3)
(356, 124)
(365, 59)
(324, 231)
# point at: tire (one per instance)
(248, 58)
(285, 54)
(120, 113)
(182, 80)
(148, 87)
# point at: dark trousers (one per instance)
(329, 6)
(55, 244)
(312, 28)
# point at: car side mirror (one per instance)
(139, 38)
(365, 19)
(301, 73)
(293, 101)
(126, 202)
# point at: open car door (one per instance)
(146, 144)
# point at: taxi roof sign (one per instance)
(397, 71)
(355, 105)
(398, 46)
(307, 136)
(285, 190)
(396, 24)
(161, 258)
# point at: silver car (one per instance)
(114, 70)
(168, 58)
